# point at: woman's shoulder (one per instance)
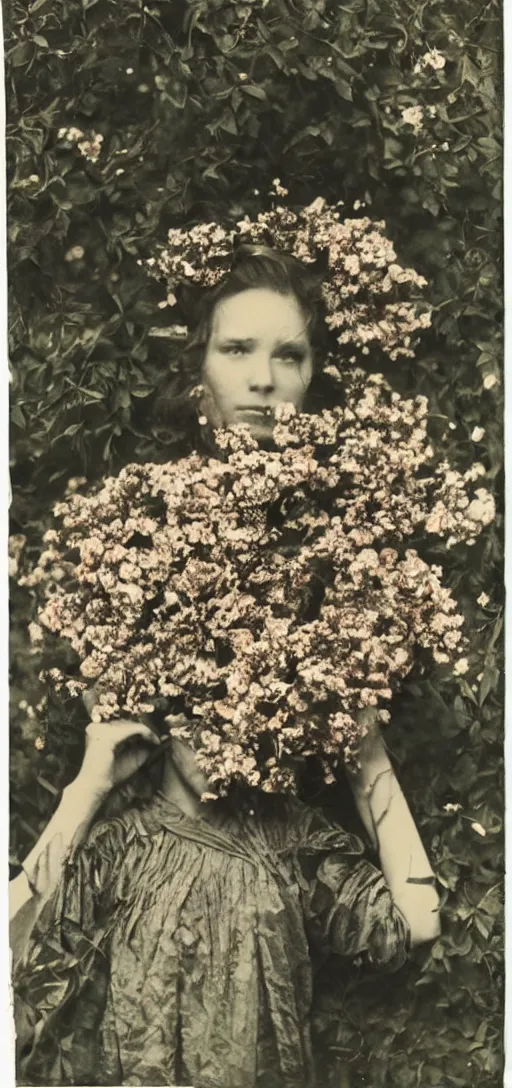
(289, 823)
(307, 828)
(120, 826)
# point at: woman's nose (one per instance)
(261, 379)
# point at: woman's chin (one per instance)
(263, 432)
(260, 429)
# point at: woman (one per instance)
(171, 944)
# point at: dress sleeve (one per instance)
(348, 904)
(60, 980)
(30, 890)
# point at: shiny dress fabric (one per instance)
(177, 950)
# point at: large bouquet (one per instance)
(270, 595)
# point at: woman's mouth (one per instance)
(255, 411)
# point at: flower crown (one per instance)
(365, 284)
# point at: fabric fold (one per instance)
(177, 950)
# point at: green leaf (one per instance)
(17, 416)
(227, 123)
(21, 54)
(254, 91)
(344, 89)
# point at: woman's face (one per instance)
(258, 356)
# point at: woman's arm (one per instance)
(43, 868)
(114, 751)
(391, 827)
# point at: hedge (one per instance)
(201, 103)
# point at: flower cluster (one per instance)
(413, 115)
(433, 59)
(365, 284)
(89, 146)
(271, 596)
(16, 548)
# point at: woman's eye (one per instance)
(293, 357)
(236, 349)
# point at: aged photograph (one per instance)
(256, 585)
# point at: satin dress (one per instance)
(177, 951)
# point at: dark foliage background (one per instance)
(201, 103)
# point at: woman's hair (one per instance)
(257, 266)
(254, 266)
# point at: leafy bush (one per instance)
(391, 105)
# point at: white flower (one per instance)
(75, 253)
(479, 829)
(482, 600)
(477, 434)
(445, 146)
(35, 632)
(452, 807)
(461, 666)
(129, 71)
(434, 59)
(476, 470)
(279, 189)
(490, 381)
(119, 171)
(73, 484)
(413, 115)
(482, 508)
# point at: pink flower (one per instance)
(482, 509)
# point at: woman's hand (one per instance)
(114, 751)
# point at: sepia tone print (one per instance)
(256, 543)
